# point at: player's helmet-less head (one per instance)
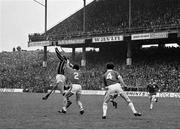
(110, 66)
(76, 67)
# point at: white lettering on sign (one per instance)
(107, 39)
(149, 36)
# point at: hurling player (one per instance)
(74, 77)
(60, 78)
(114, 82)
(152, 89)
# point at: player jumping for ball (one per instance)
(152, 89)
(60, 77)
(74, 76)
(113, 83)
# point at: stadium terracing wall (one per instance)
(101, 92)
(108, 27)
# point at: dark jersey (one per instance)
(62, 61)
(60, 67)
(74, 76)
(110, 77)
(152, 88)
(59, 55)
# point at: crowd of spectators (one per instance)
(160, 64)
(24, 70)
(112, 16)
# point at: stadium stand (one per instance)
(111, 16)
(24, 70)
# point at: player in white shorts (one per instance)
(113, 81)
(74, 77)
(60, 77)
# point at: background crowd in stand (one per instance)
(112, 16)
(23, 69)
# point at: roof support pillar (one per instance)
(129, 54)
(83, 61)
(73, 53)
(45, 47)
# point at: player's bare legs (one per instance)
(130, 104)
(153, 99)
(107, 98)
(66, 102)
(112, 99)
(64, 109)
(105, 107)
(78, 95)
(151, 103)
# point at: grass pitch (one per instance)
(29, 111)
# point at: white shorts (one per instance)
(152, 97)
(60, 78)
(76, 88)
(116, 89)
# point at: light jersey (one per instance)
(110, 77)
(74, 76)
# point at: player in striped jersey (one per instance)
(152, 89)
(60, 78)
(113, 83)
(74, 77)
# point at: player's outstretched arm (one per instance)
(59, 55)
(68, 64)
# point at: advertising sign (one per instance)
(71, 41)
(107, 39)
(39, 43)
(144, 36)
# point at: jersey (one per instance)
(74, 76)
(110, 77)
(62, 61)
(152, 88)
(60, 67)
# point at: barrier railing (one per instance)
(102, 92)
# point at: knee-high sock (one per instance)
(105, 107)
(64, 103)
(78, 101)
(151, 105)
(80, 105)
(132, 107)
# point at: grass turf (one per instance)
(29, 111)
